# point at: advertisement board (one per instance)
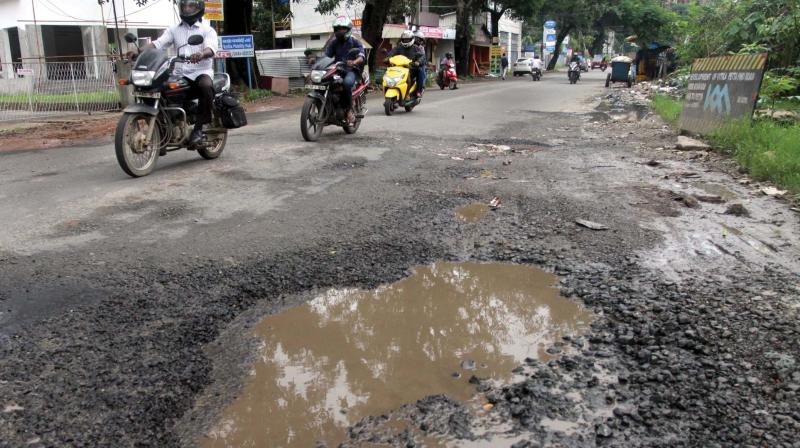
(241, 46)
(214, 11)
(722, 89)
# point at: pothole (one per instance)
(348, 354)
(472, 213)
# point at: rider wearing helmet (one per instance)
(407, 48)
(419, 42)
(200, 70)
(345, 48)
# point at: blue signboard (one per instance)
(551, 24)
(530, 48)
(242, 46)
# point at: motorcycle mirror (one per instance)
(130, 38)
(195, 40)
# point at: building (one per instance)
(74, 30)
(310, 29)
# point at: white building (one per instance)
(510, 32)
(74, 30)
(311, 29)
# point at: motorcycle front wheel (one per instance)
(217, 145)
(388, 107)
(135, 155)
(310, 121)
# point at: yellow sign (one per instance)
(214, 11)
(496, 51)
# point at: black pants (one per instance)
(203, 89)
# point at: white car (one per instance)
(523, 66)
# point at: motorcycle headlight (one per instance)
(317, 75)
(390, 82)
(142, 78)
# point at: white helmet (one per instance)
(407, 38)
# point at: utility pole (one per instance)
(37, 31)
(272, 19)
(116, 27)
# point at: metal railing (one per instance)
(39, 89)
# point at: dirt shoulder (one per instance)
(97, 129)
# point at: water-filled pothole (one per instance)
(473, 212)
(350, 353)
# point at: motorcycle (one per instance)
(447, 76)
(162, 118)
(603, 66)
(396, 89)
(323, 106)
(574, 73)
(536, 74)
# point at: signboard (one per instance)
(495, 53)
(214, 11)
(24, 71)
(722, 89)
(356, 22)
(241, 46)
(550, 24)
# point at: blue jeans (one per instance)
(348, 83)
(421, 78)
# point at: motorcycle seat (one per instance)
(221, 82)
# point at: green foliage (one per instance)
(668, 108)
(256, 94)
(731, 26)
(777, 86)
(263, 19)
(767, 149)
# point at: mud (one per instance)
(473, 212)
(349, 354)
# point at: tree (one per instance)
(518, 9)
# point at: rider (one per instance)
(201, 70)
(340, 48)
(447, 58)
(419, 42)
(537, 63)
(407, 48)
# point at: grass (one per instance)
(768, 149)
(256, 94)
(69, 98)
(668, 108)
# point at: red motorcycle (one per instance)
(447, 76)
(324, 106)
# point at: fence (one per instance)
(43, 89)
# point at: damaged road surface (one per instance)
(345, 292)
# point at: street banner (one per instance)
(214, 11)
(722, 89)
(495, 53)
(242, 46)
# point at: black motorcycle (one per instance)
(162, 118)
(536, 74)
(324, 105)
(574, 73)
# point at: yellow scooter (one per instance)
(396, 90)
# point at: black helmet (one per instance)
(191, 10)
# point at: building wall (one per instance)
(306, 21)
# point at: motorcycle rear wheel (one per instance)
(310, 125)
(136, 161)
(453, 85)
(216, 150)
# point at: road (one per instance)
(114, 291)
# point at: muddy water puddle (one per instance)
(350, 353)
(473, 212)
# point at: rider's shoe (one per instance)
(197, 135)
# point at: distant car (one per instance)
(523, 66)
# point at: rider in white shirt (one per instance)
(200, 71)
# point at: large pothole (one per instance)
(349, 353)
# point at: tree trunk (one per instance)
(463, 37)
(374, 16)
(562, 34)
(238, 15)
(495, 17)
(599, 39)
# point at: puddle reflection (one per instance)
(351, 353)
